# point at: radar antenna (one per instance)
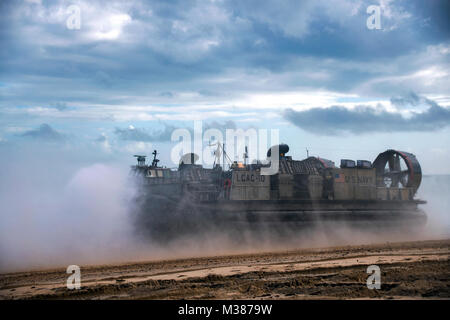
(245, 155)
(221, 149)
(140, 160)
(155, 161)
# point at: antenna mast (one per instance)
(223, 155)
(155, 161)
(245, 155)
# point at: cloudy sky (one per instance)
(135, 70)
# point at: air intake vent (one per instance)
(346, 163)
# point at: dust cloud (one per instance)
(435, 189)
(186, 232)
(56, 211)
(63, 216)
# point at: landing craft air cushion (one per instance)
(301, 192)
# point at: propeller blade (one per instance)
(391, 163)
(397, 163)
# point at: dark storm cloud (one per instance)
(436, 17)
(364, 119)
(101, 138)
(137, 134)
(221, 126)
(182, 44)
(412, 99)
(145, 135)
(44, 132)
(61, 106)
